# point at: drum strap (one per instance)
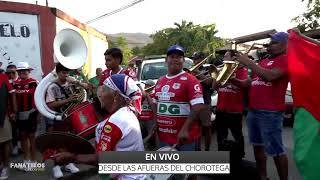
(62, 90)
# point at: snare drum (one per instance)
(83, 117)
(166, 176)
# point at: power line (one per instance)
(115, 11)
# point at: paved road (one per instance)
(89, 172)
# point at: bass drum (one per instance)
(167, 176)
(82, 117)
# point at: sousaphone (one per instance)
(71, 51)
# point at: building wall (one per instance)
(50, 21)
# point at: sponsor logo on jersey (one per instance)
(173, 109)
(165, 95)
(166, 122)
(270, 63)
(258, 82)
(184, 78)
(106, 138)
(197, 88)
(168, 130)
(146, 107)
(22, 91)
(107, 129)
(176, 85)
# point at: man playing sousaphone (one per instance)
(60, 93)
(120, 131)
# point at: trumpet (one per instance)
(227, 70)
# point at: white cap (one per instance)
(23, 66)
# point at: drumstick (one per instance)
(87, 130)
(173, 147)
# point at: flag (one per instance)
(304, 72)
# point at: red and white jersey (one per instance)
(108, 72)
(120, 132)
(146, 111)
(174, 96)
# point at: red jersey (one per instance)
(25, 90)
(269, 96)
(231, 97)
(146, 111)
(12, 82)
(5, 89)
(108, 72)
(174, 96)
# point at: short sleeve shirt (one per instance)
(265, 95)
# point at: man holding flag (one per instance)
(304, 65)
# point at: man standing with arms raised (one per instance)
(267, 103)
(179, 100)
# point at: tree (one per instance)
(311, 18)
(192, 37)
(123, 45)
(137, 51)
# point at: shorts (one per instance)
(29, 125)
(5, 131)
(184, 147)
(265, 129)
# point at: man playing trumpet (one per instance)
(267, 103)
(230, 106)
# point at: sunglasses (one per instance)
(13, 72)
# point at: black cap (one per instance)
(198, 55)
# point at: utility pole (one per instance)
(47, 3)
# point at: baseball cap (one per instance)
(175, 48)
(279, 36)
(149, 82)
(198, 55)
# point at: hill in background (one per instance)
(133, 39)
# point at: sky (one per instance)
(233, 18)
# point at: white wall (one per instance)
(19, 41)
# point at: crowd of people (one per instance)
(175, 111)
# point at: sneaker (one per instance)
(57, 173)
(15, 151)
(4, 173)
(72, 168)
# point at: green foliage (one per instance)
(192, 37)
(123, 45)
(136, 51)
(310, 19)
